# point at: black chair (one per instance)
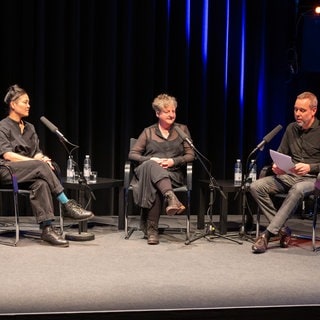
(128, 201)
(16, 192)
(309, 204)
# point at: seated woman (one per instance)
(161, 154)
(20, 151)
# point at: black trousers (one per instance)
(43, 184)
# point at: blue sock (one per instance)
(45, 223)
(62, 198)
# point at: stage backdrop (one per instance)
(93, 68)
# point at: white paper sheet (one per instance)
(283, 161)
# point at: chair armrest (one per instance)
(266, 171)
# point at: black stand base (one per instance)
(76, 236)
(212, 234)
(82, 234)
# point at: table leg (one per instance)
(202, 208)
(223, 214)
(121, 209)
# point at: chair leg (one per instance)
(314, 224)
(128, 231)
(258, 223)
(16, 223)
(188, 217)
(61, 219)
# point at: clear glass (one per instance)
(93, 176)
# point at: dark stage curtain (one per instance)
(93, 68)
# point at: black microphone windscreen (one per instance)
(271, 134)
(48, 124)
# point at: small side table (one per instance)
(102, 183)
(228, 188)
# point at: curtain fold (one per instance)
(94, 67)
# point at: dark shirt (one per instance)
(151, 143)
(303, 145)
(12, 140)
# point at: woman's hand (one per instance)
(167, 163)
(47, 160)
(163, 162)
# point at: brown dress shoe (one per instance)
(261, 244)
(285, 237)
(49, 235)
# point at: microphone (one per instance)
(53, 128)
(269, 137)
(184, 136)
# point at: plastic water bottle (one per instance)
(238, 173)
(87, 167)
(70, 170)
(253, 170)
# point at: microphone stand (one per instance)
(81, 235)
(245, 185)
(211, 229)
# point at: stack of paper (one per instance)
(283, 161)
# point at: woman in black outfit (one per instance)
(161, 155)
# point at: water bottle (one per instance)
(70, 170)
(87, 167)
(253, 171)
(238, 173)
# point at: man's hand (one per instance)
(301, 169)
(276, 170)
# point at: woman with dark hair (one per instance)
(19, 150)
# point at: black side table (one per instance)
(228, 188)
(102, 183)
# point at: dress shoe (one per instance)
(73, 210)
(49, 235)
(285, 237)
(261, 244)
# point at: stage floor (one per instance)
(211, 277)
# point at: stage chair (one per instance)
(128, 201)
(6, 227)
(313, 199)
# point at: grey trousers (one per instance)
(297, 187)
(42, 182)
